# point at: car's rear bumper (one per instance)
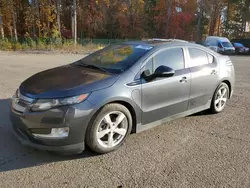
(76, 117)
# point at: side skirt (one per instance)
(140, 127)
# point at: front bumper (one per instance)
(76, 117)
(74, 148)
(228, 52)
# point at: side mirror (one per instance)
(164, 71)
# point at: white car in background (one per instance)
(220, 44)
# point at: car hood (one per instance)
(66, 81)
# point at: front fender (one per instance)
(111, 95)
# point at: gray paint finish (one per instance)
(151, 103)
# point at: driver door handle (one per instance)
(184, 79)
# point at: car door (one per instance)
(164, 97)
(204, 77)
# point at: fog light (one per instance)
(56, 133)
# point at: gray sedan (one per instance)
(99, 100)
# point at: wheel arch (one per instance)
(229, 86)
(131, 110)
(130, 105)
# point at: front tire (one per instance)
(220, 98)
(109, 128)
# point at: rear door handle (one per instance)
(184, 79)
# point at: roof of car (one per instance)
(163, 43)
(168, 43)
(159, 42)
(221, 39)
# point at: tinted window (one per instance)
(212, 42)
(197, 57)
(172, 58)
(116, 58)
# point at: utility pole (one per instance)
(169, 6)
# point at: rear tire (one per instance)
(220, 98)
(109, 128)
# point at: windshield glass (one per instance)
(227, 44)
(116, 58)
(238, 45)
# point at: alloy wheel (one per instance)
(221, 98)
(112, 129)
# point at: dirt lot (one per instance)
(197, 151)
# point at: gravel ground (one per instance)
(197, 151)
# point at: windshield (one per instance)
(227, 44)
(238, 45)
(116, 58)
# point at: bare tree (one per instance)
(169, 5)
(58, 16)
(1, 25)
(74, 22)
(14, 18)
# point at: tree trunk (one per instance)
(74, 22)
(1, 26)
(33, 4)
(14, 20)
(39, 18)
(2, 31)
(228, 15)
(11, 32)
(58, 16)
(169, 4)
(198, 37)
(218, 25)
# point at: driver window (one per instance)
(172, 58)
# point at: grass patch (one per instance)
(44, 44)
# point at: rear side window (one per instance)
(212, 42)
(199, 57)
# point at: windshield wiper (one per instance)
(93, 67)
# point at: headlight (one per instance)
(16, 94)
(46, 104)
